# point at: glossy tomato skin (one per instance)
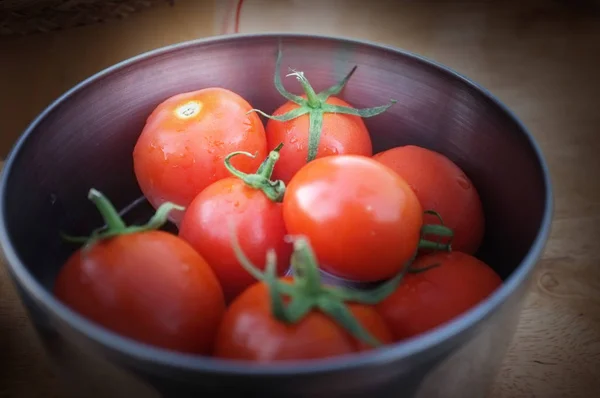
(442, 186)
(152, 287)
(258, 222)
(430, 298)
(340, 134)
(182, 146)
(250, 332)
(363, 221)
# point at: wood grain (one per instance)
(540, 58)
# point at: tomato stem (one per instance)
(307, 292)
(107, 210)
(274, 190)
(315, 104)
(437, 246)
(114, 224)
(439, 230)
(312, 99)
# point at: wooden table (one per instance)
(540, 59)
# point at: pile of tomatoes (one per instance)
(261, 211)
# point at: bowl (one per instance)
(86, 137)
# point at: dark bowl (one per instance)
(86, 137)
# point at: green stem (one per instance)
(274, 190)
(315, 105)
(315, 127)
(115, 226)
(110, 215)
(311, 96)
(304, 263)
(307, 293)
(439, 230)
(436, 246)
(436, 229)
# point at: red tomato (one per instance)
(441, 186)
(362, 220)
(430, 298)
(206, 226)
(315, 125)
(150, 286)
(181, 148)
(341, 134)
(250, 332)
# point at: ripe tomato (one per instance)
(249, 331)
(148, 285)
(299, 317)
(316, 125)
(361, 218)
(441, 186)
(427, 299)
(181, 148)
(243, 200)
(341, 134)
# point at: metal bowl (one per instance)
(86, 137)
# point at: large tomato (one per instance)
(424, 300)
(144, 284)
(298, 317)
(316, 125)
(182, 146)
(441, 186)
(252, 204)
(362, 219)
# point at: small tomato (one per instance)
(363, 220)
(298, 318)
(424, 300)
(182, 146)
(441, 186)
(252, 202)
(316, 125)
(144, 284)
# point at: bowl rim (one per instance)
(131, 349)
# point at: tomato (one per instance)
(316, 125)
(148, 285)
(250, 332)
(341, 134)
(182, 146)
(361, 218)
(299, 317)
(243, 200)
(441, 186)
(427, 299)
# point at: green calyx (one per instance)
(115, 226)
(315, 105)
(306, 292)
(438, 230)
(274, 190)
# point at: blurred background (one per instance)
(540, 57)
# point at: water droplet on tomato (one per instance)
(293, 139)
(463, 182)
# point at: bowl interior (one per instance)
(86, 138)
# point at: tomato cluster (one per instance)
(301, 196)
